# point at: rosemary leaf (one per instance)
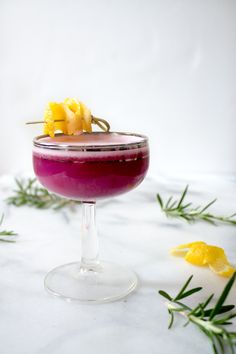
(189, 292)
(183, 288)
(188, 212)
(29, 193)
(164, 294)
(223, 297)
(7, 233)
(209, 321)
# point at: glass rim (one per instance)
(93, 147)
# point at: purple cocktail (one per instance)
(88, 167)
(100, 166)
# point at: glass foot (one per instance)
(103, 283)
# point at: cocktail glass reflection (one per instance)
(89, 167)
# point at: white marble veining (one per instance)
(132, 232)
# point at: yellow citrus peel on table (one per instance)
(69, 117)
(201, 254)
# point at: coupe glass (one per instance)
(89, 167)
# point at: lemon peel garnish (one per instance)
(225, 270)
(185, 247)
(201, 254)
(70, 117)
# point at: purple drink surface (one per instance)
(91, 172)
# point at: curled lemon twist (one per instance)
(201, 254)
(69, 117)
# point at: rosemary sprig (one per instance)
(6, 233)
(211, 321)
(31, 194)
(186, 211)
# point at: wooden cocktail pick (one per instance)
(102, 123)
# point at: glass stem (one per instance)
(89, 243)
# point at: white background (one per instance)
(163, 68)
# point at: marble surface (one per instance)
(133, 232)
